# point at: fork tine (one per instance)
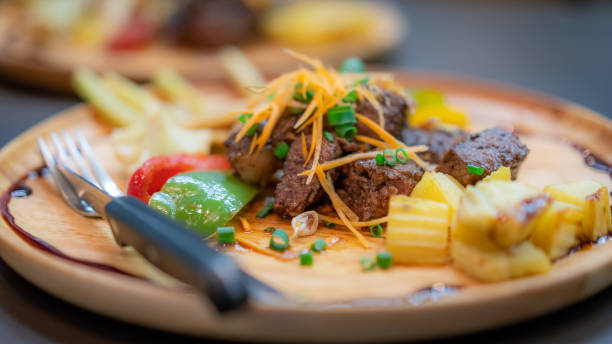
(78, 159)
(64, 187)
(106, 182)
(60, 151)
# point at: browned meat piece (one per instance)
(252, 168)
(366, 187)
(208, 23)
(292, 195)
(283, 130)
(439, 141)
(394, 110)
(489, 149)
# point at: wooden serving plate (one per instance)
(333, 300)
(50, 65)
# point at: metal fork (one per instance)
(162, 241)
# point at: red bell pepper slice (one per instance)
(135, 34)
(154, 173)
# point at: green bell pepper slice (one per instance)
(203, 200)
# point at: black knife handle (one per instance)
(177, 251)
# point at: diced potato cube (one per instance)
(440, 187)
(594, 200)
(557, 229)
(503, 173)
(504, 212)
(497, 265)
(417, 231)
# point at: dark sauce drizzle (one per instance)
(19, 190)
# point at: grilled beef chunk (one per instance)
(252, 168)
(394, 111)
(292, 195)
(366, 187)
(259, 168)
(439, 141)
(489, 149)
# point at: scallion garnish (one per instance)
(346, 131)
(328, 136)
(267, 208)
(281, 150)
(390, 158)
(352, 65)
(376, 230)
(384, 260)
(475, 170)
(243, 118)
(351, 97)
(279, 240)
(401, 155)
(306, 258)
(304, 97)
(361, 81)
(380, 159)
(328, 224)
(271, 96)
(341, 115)
(318, 245)
(367, 264)
(226, 235)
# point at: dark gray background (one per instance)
(560, 47)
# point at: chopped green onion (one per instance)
(243, 118)
(281, 150)
(328, 224)
(269, 229)
(428, 97)
(295, 110)
(318, 245)
(328, 136)
(384, 260)
(346, 131)
(367, 264)
(267, 208)
(380, 159)
(271, 96)
(341, 115)
(401, 156)
(279, 240)
(352, 65)
(307, 98)
(361, 81)
(226, 235)
(306, 258)
(351, 97)
(475, 170)
(390, 158)
(376, 230)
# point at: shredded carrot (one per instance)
(253, 142)
(257, 117)
(267, 130)
(255, 247)
(373, 142)
(309, 110)
(337, 203)
(246, 226)
(390, 140)
(304, 149)
(317, 155)
(315, 132)
(368, 95)
(356, 224)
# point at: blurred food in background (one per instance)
(43, 40)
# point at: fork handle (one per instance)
(177, 251)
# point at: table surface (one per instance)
(559, 47)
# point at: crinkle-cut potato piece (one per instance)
(503, 173)
(417, 231)
(557, 229)
(498, 265)
(594, 200)
(505, 212)
(440, 187)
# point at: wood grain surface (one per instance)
(328, 297)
